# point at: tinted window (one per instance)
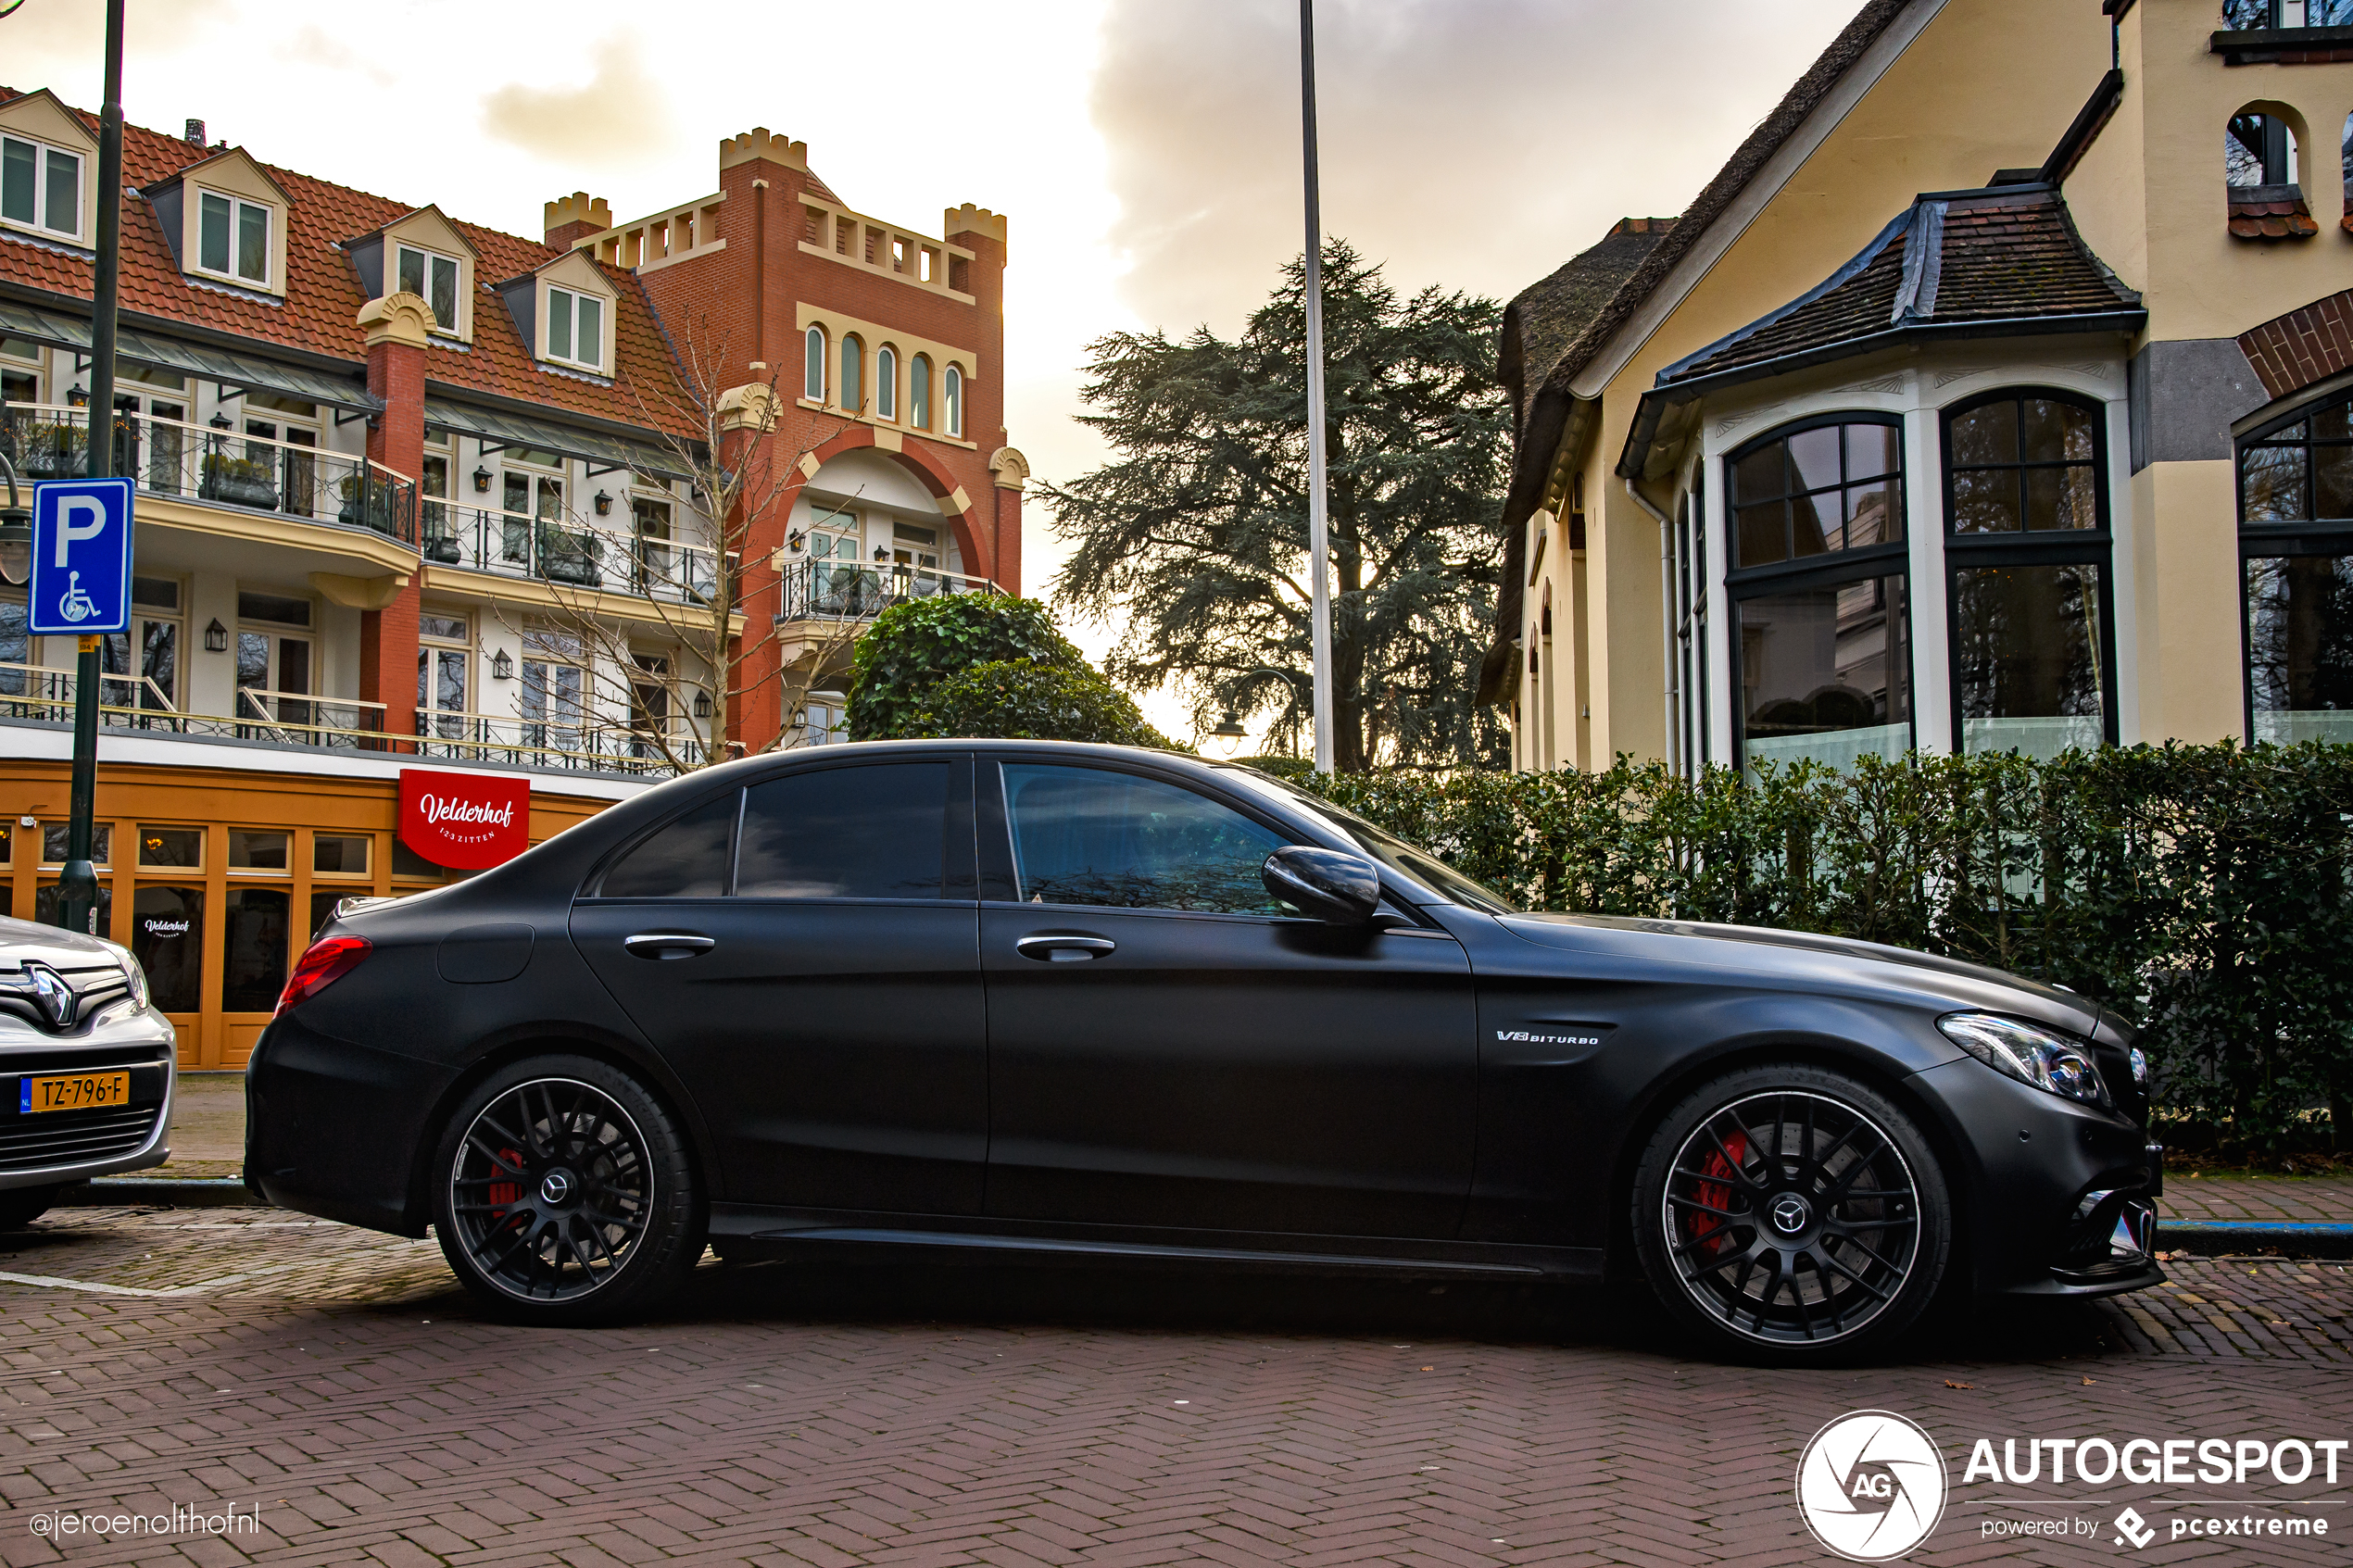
(1082, 835)
(253, 954)
(687, 860)
(847, 833)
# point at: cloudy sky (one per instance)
(1146, 150)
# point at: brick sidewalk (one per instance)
(2308, 1198)
(886, 1415)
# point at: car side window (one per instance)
(687, 860)
(1088, 836)
(877, 832)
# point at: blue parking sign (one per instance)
(80, 557)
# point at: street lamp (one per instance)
(1228, 735)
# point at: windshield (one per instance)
(1383, 845)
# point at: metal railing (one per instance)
(567, 550)
(216, 465)
(818, 590)
(576, 743)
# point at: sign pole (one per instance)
(1318, 511)
(78, 879)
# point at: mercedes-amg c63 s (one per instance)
(1000, 998)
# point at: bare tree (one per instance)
(674, 628)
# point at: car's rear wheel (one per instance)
(20, 1206)
(1793, 1213)
(563, 1194)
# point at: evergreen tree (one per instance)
(1198, 529)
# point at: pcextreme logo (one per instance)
(1872, 1485)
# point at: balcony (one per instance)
(819, 590)
(567, 743)
(568, 551)
(217, 466)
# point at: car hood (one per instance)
(1831, 964)
(22, 941)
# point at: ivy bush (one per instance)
(2202, 892)
(912, 647)
(1015, 699)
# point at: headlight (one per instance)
(2029, 1054)
(138, 979)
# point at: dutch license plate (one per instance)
(74, 1091)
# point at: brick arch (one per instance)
(2306, 346)
(934, 478)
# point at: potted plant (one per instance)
(242, 482)
(567, 556)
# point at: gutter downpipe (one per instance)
(1666, 617)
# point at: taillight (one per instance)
(327, 961)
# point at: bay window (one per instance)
(2027, 544)
(1820, 596)
(2295, 544)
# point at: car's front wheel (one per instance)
(1792, 1213)
(563, 1194)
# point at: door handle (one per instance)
(667, 945)
(1061, 947)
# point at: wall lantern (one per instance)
(77, 397)
(702, 705)
(882, 552)
(604, 502)
(502, 667)
(481, 481)
(220, 421)
(216, 637)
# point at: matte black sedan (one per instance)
(994, 998)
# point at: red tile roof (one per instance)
(323, 293)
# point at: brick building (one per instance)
(413, 492)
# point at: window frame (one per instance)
(851, 373)
(1799, 573)
(817, 348)
(457, 284)
(554, 292)
(2282, 540)
(919, 391)
(238, 205)
(952, 400)
(44, 176)
(2066, 546)
(887, 383)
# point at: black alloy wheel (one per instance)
(566, 1194)
(1793, 1212)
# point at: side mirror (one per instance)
(1328, 884)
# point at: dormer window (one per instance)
(41, 186)
(433, 278)
(233, 238)
(575, 329)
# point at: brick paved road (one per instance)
(335, 1379)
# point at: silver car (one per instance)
(86, 1067)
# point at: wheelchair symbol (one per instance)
(76, 605)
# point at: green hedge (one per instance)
(2203, 892)
(912, 647)
(1014, 699)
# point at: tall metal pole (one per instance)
(78, 879)
(1318, 517)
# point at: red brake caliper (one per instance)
(506, 1193)
(1714, 1194)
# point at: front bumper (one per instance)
(2064, 1197)
(55, 1148)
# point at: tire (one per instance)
(20, 1206)
(1792, 1214)
(563, 1195)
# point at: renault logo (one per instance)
(46, 990)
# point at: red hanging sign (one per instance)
(468, 821)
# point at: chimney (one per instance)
(195, 135)
(576, 216)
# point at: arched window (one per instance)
(853, 365)
(2258, 150)
(2034, 651)
(886, 381)
(2296, 538)
(952, 393)
(1823, 660)
(919, 391)
(812, 383)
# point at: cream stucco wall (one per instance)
(2190, 639)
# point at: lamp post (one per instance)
(1230, 733)
(78, 879)
(1318, 521)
